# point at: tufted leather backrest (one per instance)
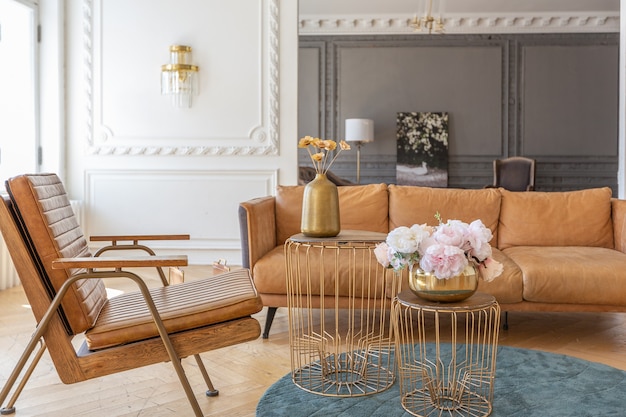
(53, 232)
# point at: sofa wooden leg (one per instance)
(505, 325)
(271, 312)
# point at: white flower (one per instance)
(406, 240)
(478, 237)
(382, 254)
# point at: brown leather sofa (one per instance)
(562, 251)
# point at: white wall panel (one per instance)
(139, 164)
(202, 204)
(236, 111)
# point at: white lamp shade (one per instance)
(359, 130)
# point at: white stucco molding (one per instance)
(259, 139)
(463, 24)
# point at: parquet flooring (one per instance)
(242, 373)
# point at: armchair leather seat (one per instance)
(126, 318)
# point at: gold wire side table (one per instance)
(446, 354)
(339, 300)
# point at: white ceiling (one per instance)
(401, 7)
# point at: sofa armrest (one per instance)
(618, 212)
(257, 225)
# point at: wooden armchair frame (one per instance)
(53, 334)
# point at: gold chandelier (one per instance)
(179, 78)
(426, 20)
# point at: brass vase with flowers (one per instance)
(320, 201)
(426, 285)
(444, 261)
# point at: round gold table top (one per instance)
(477, 301)
(346, 236)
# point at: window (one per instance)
(19, 103)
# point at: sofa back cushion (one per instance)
(570, 218)
(361, 207)
(410, 205)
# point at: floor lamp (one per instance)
(359, 131)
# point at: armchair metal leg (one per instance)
(212, 392)
(271, 312)
(10, 407)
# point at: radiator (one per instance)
(8, 275)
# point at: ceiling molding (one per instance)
(600, 22)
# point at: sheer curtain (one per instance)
(8, 275)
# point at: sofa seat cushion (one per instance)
(410, 205)
(361, 207)
(571, 275)
(126, 318)
(571, 218)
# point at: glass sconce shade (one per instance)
(179, 78)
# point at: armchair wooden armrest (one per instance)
(115, 262)
(136, 238)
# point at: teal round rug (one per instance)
(528, 383)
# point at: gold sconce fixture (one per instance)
(179, 78)
(425, 18)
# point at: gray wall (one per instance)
(549, 97)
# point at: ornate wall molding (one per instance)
(460, 24)
(261, 139)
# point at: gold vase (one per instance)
(320, 208)
(427, 286)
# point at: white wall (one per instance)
(143, 166)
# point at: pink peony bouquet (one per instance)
(444, 250)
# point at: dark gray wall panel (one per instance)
(377, 82)
(310, 118)
(569, 100)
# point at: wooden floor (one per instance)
(242, 373)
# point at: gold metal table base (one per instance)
(339, 301)
(446, 354)
(348, 374)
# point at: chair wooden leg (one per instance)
(10, 407)
(212, 392)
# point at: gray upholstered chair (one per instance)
(516, 173)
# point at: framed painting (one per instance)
(422, 149)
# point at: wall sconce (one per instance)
(179, 78)
(359, 131)
(428, 21)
